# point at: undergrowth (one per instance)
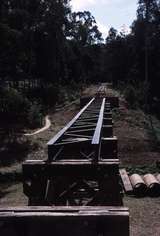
(142, 169)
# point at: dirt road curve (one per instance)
(46, 126)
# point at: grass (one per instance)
(154, 130)
(141, 169)
(14, 148)
(12, 194)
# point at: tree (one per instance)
(34, 35)
(83, 37)
(84, 29)
(147, 35)
(50, 38)
(147, 9)
(112, 35)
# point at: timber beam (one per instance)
(64, 221)
(56, 183)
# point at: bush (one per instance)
(137, 94)
(14, 105)
(130, 95)
(69, 92)
(46, 95)
(35, 115)
(50, 95)
(143, 94)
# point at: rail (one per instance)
(81, 138)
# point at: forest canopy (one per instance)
(45, 45)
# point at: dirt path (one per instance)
(46, 126)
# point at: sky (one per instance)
(109, 13)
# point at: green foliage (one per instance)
(73, 90)
(35, 115)
(142, 169)
(134, 58)
(136, 94)
(47, 95)
(143, 95)
(130, 95)
(47, 42)
(69, 92)
(50, 95)
(84, 29)
(14, 105)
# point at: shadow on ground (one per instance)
(4, 189)
(14, 146)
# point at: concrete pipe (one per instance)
(139, 186)
(152, 184)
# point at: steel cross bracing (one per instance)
(86, 134)
(82, 166)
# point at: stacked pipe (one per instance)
(141, 185)
(138, 184)
(153, 185)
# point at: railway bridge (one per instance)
(77, 190)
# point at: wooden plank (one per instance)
(88, 119)
(79, 123)
(74, 137)
(69, 162)
(75, 213)
(107, 131)
(101, 214)
(108, 121)
(108, 114)
(80, 131)
(63, 208)
(126, 181)
(75, 127)
(68, 168)
(64, 221)
(88, 116)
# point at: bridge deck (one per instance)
(64, 221)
